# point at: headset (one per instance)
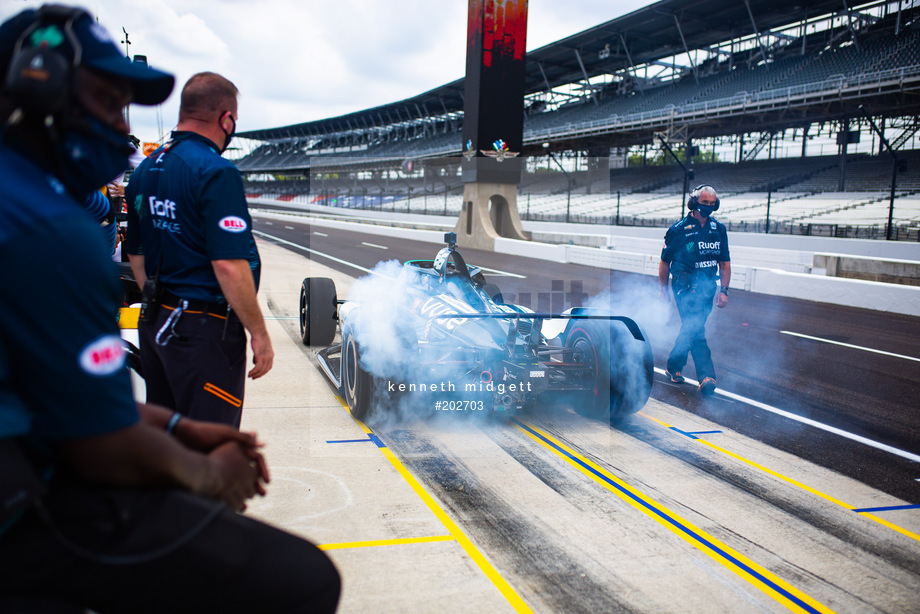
(40, 79)
(694, 201)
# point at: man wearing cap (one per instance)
(695, 256)
(189, 235)
(106, 504)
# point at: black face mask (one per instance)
(706, 210)
(229, 134)
(91, 154)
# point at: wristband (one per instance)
(173, 421)
(724, 290)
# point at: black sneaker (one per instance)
(676, 377)
(707, 386)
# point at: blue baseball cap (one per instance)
(95, 49)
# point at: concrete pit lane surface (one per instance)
(673, 511)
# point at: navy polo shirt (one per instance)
(187, 207)
(62, 373)
(691, 247)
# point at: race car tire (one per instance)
(357, 384)
(318, 302)
(625, 384)
(632, 371)
(589, 347)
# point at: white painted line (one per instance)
(847, 345)
(269, 224)
(819, 425)
(289, 228)
(320, 234)
(312, 251)
(374, 245)
(503, 273)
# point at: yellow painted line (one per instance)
(387, 542)
(792, 481)
(756, 575)
(484, 565)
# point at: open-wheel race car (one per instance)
(433, 335)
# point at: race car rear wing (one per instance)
(578, 313)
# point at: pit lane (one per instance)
(543, 502)
(871, 395)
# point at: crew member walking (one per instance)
(695, 256)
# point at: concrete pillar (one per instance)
(479, 224)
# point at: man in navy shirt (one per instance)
(105, 503)
(189, 232)
(695, 254)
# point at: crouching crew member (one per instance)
(106, 504)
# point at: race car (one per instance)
(433, 335)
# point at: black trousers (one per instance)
(694, 304)
(198, 367)
(157, 552)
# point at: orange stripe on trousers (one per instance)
(223, 394)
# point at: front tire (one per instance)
(318, 305)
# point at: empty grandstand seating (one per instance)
(798, 191)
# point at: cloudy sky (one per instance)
(302, 60)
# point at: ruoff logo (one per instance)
(103, 356)
(162, 208)
(232, 223)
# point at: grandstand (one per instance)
(728, 78)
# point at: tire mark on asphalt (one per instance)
(524, 545)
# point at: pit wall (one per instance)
(780, 271)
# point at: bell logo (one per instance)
(104, 356)
(232, 223)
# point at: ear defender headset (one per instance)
(694, 201)
(40, 76)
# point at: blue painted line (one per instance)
(704, 432)
(673, 521)
(890, 508)
(377, 441)
(685, 433)
(349, 440)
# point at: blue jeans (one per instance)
(694, 304)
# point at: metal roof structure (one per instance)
(657, 31)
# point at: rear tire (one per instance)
(632, 371)
(318, 306)
(589, 348)
(364, 390)
(357, 384)
(621, 368)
